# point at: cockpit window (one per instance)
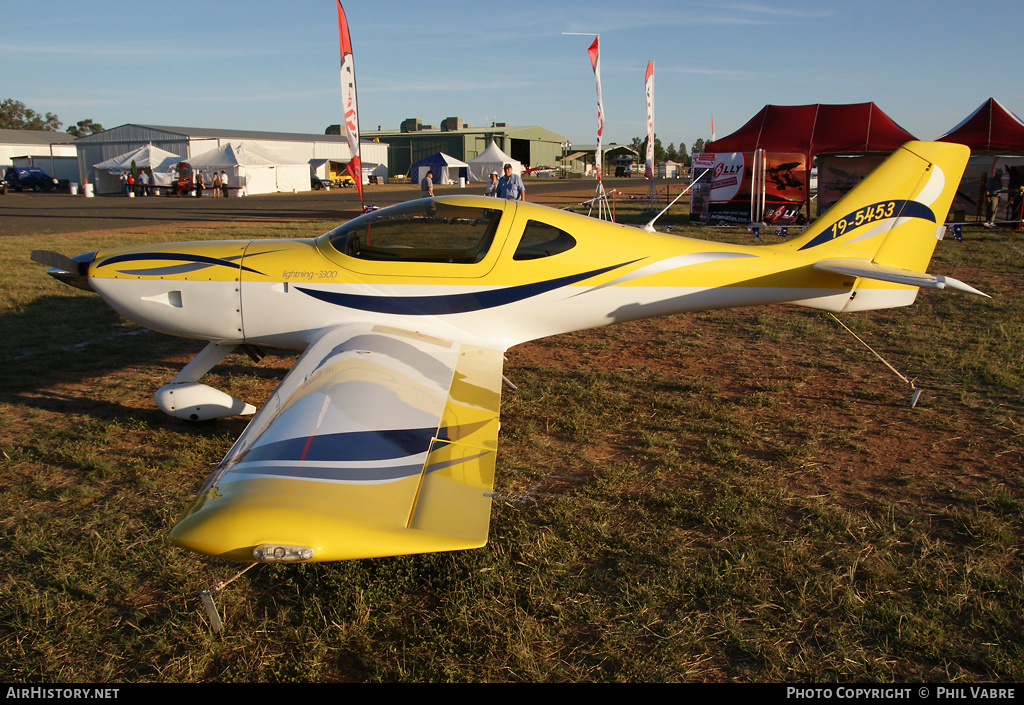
(542, 240)
(419, 231)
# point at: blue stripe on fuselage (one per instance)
(175, 257)
(452, 303)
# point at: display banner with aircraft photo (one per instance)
(837, 174)
(782, 178)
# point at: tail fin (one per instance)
(884, 231)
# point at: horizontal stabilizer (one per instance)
(893, 275)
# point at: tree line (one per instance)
(15, 115)
(672, 153)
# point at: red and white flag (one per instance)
(595, 62)
(348, 100)
(649, 90)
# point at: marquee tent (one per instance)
(378, 170)
(159, 161)
(492, 159)
(855, 128)
(442, 164)
(990, 128)
(996, 138)
(253, 170)
(806, 131)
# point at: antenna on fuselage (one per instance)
(650, 226)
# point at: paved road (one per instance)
(50, 213)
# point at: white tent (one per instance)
(441, 164)
(252, 170)
(492, 159)
(159, 161)
(378, 170)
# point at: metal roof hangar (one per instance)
(191, 141)
(53, 152)
(533, 146)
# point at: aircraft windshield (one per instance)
(419, 231)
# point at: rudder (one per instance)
(892, 217)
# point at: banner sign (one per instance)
(348, 100)
(649, 90)
(595, 62)
(729, 195)
(700, 191)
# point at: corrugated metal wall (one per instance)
(116, 141)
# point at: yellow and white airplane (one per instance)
(381, 440)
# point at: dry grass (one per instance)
(738, 495)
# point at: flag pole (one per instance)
(600, 197)
(650, 202)
(349, 105)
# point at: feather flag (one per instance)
(348, 100)
(649, 90)
(595, 62)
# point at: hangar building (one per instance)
(191, 141)
(53, 152)
(413, 141)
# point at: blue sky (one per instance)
(264, 65)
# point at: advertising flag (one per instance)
(595, 62)
(649, 90)
(348, 100)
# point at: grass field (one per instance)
(739, 495)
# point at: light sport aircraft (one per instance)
(381, 440)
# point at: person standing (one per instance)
(216, 184)
(224, 184)
(427, 185)
(510, 186)
(199, 183)
(492, 185)
(992, 188)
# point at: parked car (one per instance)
(317, 183)
(623, 171)
(20, 178)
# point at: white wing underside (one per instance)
(378, 442)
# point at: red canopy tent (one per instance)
(990, 128)
(996, 138)
(810, 130)
(855, 128)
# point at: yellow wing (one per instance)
(379, 442)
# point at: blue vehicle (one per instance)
(21, 178)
